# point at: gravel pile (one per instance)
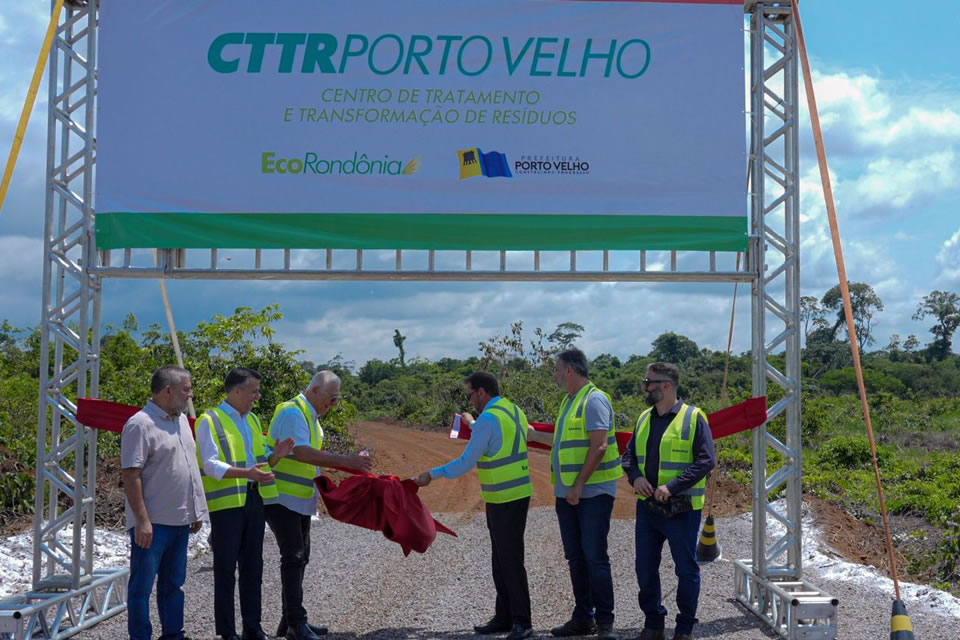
(361, 586)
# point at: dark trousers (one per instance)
(237, 539)
(292, 531)
(583, 530)
(166, 562)
(507, 523)
(681, 532)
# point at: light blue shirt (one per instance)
(289, 423)
(213, 466)
(485, 439)
(599, 416)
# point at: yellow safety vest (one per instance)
(230, 493)
(505, 476)
(574, 443)
(295, 478)
(676, 449)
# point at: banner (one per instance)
(421, 124)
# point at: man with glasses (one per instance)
(297, 499)
(584, 468)
(498, 448)
(667, 461)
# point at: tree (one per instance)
(565, 335)
(398, 340)
(500, 350)
(944, 306)
(911, 343)
(674, 348)
(810, 313)
(865, 304)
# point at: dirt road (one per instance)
(406, 451)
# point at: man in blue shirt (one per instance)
(670, 454)
(498, 448)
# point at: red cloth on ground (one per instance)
(383, 503)
(107, 416)
(740, 417)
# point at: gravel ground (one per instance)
(361, 586)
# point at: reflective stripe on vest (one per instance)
(676, 449)
(574, 442)
(295, 478)
(230, 493)
(505, 476)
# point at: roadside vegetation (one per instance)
(914, 394)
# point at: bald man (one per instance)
(289, 517)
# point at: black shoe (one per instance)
(520, 632)
(652, 634)
(255, 635)
(318, 630)
(229, 636)
(683, 636)
(605, 632)
(575, 628)
(300, 632)
(493, 626)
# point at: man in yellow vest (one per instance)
(667, 461)
(289, 518)
(237, 483)
(584, 468)
(498, 448)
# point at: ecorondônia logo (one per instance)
(357, 165)
(474, 162)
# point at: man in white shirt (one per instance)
(237, 483)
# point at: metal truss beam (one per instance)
(770, 583)
(68, 595)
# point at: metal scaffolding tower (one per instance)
(69, 595)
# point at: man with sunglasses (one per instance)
(667, 461)
(297, 499)
(498, 448)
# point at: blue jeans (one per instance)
(681, 532)
(166, 562)
(583, 530)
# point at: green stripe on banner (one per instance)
(517, 232)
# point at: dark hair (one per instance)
(238, 377)
(167, 376)
(485, 381)
(666, 369)
(576, 359)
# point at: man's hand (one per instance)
(143, 534)
(284, 448)
(467, 417)
(644, 488)
(423, 479)
(662, 494)
(196, 526)
(257, 474)
(573, 495)
(358, 462)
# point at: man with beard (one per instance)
(667, 461)
(498, 448)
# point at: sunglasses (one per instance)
(647, 382)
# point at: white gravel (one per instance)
(361, 586)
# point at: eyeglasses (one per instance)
(334, 399)
(647, 382)
(470, 394)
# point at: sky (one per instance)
(888, 89)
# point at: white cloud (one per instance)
(948, 259)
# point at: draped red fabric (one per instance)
(107, 416)
(382, 503)
(740, 417)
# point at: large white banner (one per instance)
(501, 124)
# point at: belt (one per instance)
(253, 486)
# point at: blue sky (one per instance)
(888, 87)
